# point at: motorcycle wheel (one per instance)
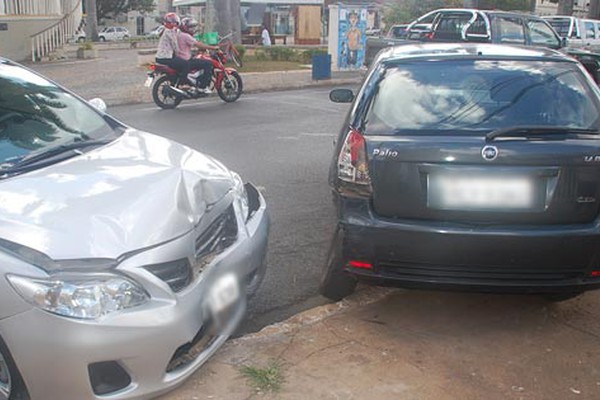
(163, 96)
(231, 88)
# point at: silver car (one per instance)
(125, 258)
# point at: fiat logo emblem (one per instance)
(489, 153)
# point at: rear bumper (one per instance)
(450, 256)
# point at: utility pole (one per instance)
(209, 16)
(91, 21)
(565, 7)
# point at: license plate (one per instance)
(224, 292)
(148, 82)
(494, 193)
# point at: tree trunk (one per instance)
(565, 7)
(170, 7)
(594, 10)
(91, 22)
(228, 18)
(532, 4)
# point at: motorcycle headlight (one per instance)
(241, 195)
(88, 296)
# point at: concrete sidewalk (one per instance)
(117, 78)
(393, 344)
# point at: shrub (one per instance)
(277, 53)
(307, 55)
(241, 49)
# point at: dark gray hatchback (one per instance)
(471, 167)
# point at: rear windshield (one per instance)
(476, 95)
(561, 26)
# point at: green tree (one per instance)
(111, 8)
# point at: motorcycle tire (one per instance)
(231, 88)
(161, 94)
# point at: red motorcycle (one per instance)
(168, 90)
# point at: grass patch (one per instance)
(269, 379)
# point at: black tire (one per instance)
(558, 297)
(102, 39)
(335, 282)
(81, 40)
(231, 89)
(11, 382)
(162, 96)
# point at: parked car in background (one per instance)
(397, 31)
(481, 26)
(577, 31)
(156, 32)
(80, 36)
(127, 258)
(113, 33)
(468, 166)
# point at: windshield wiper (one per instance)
(27, 161)
(533, 130)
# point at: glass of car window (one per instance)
(472, 96)
(37, 117)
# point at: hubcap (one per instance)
(5, 382)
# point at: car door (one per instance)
(541, 34)
(589, 27)
(508, 29)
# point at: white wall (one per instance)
(15, 43)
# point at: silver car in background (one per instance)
(125, 258)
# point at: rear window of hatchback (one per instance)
(471, 96)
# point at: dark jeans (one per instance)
(178, 64)
(199, 64)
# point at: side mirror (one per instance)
(98, 104)
(341, 96)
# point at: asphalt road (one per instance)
(283, 143)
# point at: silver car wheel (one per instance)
(5, 381)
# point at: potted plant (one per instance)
(87, 50)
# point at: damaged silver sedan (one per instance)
(125, 258)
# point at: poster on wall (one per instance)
(352, 37)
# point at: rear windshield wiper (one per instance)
(30, 160)
(533, 130)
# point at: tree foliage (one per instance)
(111, 8)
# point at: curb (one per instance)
(367, 295)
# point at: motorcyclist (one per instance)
(168, 47)
(186, 42)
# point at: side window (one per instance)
(510, 30)
(590, 31)
(541, 34)
(110, 30)
(450, 26)
(478, 27)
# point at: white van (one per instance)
(578, 32)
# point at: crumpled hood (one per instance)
(138, 191)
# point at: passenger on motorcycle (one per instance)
(186, 42)
(168, 47)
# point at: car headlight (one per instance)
(88, 296)
(241, 195)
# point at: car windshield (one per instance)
(560, 25)
(36, 116)
(480, 95)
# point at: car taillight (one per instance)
(353, 165)
(152, 67)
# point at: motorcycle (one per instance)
(168, 90)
